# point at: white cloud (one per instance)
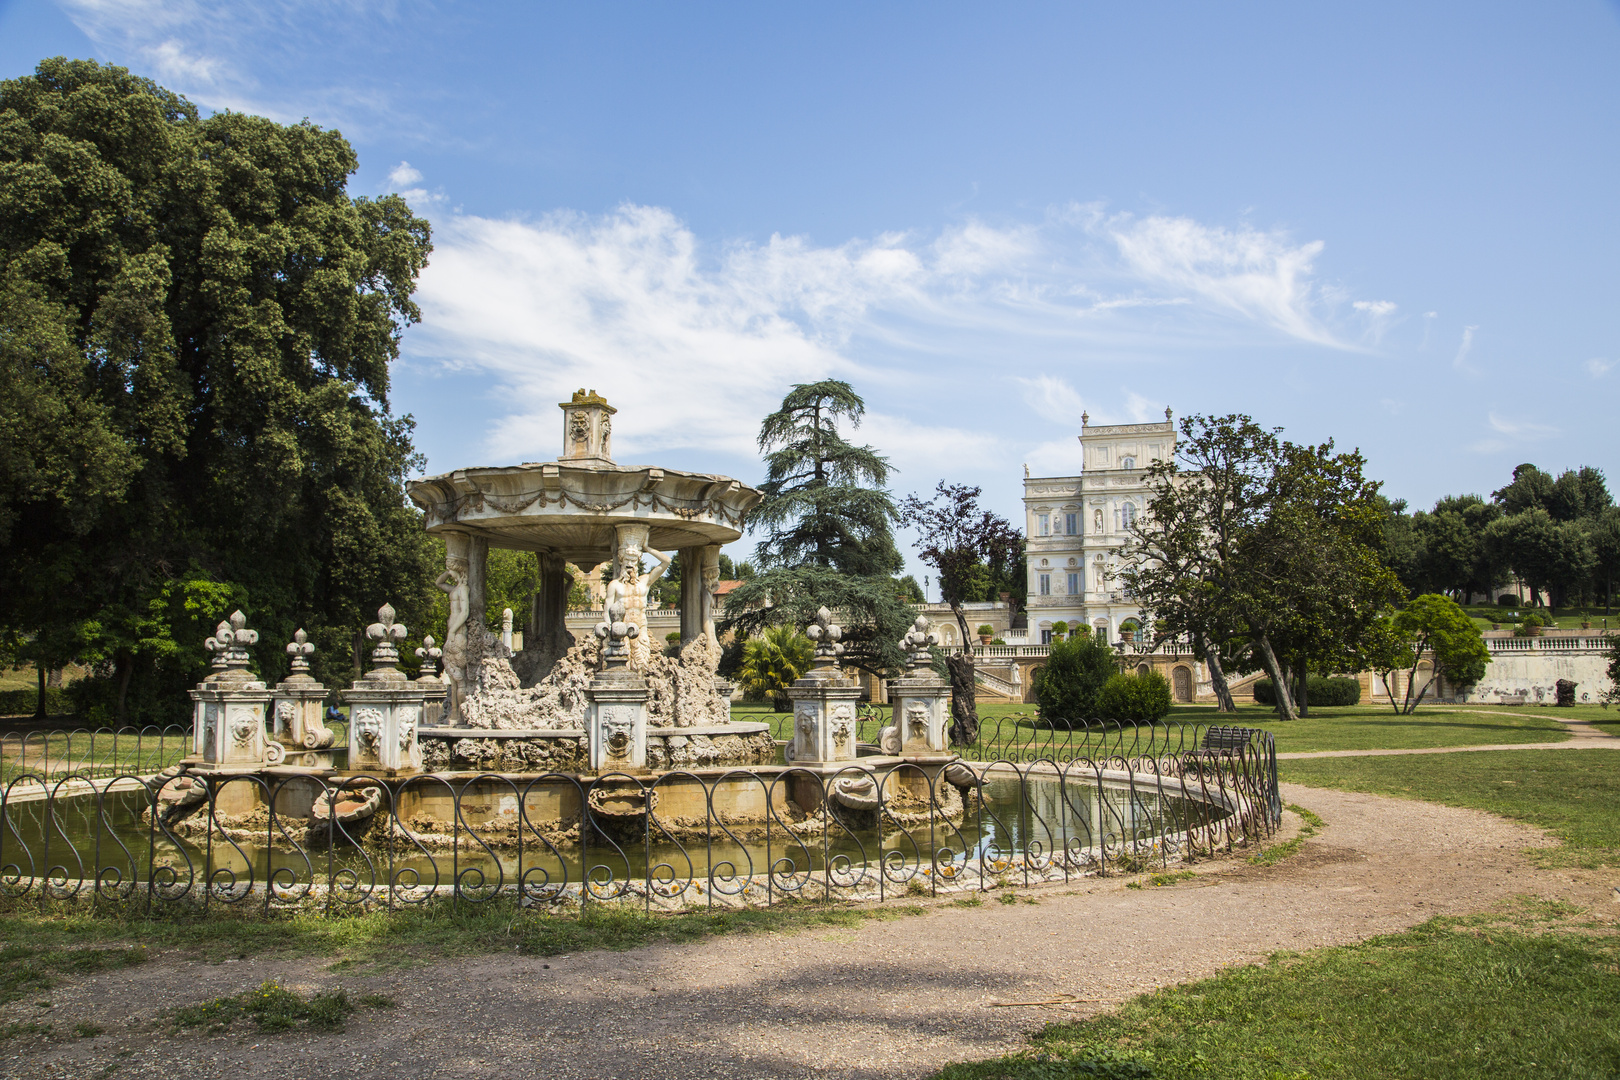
(1052, 399)
(1597, 367)
(1261, 276)
(404, 175)
(1460, 361)
(699, 340)
(1511, 433)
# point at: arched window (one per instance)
(1130, 630)
(1129, 463)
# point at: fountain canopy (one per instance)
(574, 507)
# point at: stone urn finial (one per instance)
(917, 642)
(615, 632)
(300, 649)
(826, 635)
(230, 641)
(385, 632)
(429, 654)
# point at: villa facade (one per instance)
(1075, 523)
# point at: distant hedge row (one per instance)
(23, 702)
(1318, 691)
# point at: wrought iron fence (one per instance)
(1142, 799)
(91, 753)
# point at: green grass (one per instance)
(36, 941)
(1573, 794)
(1452, 999)
(101, 755)
(1310, 825)
(1006, 729)
(273, 1007)
(1566, 618)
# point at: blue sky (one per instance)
(1390, 224)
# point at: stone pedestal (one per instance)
(921, 700)
(824, 702)
(921, 713)
(616, 718)
(616, 721)
(229, 705)
(385, 707)
(298, 706)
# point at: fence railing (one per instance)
(92, 753)
(1143, 799)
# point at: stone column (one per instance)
(550, 615)
(477, 605)
(298, 706)
(229, 705)
(921, 700)
(386, 707)
(616, 718)
(691, 593)
(824, 728)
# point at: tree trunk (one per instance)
(1302, 698)
(964, 711)
(357, 654)
(126, 667)
(1217, 677)
(39, 704)
(1279, 678)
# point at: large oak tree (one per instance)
(196, 327)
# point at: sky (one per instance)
(1392, 225)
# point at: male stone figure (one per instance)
(630, 588)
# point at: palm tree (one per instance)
(772, 661)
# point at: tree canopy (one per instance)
(196, 327)
(828, 525)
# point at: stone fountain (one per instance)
(529, 709)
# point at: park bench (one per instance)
(1221, 741)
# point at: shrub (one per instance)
(772, 661)
(985, 630)
(1066, 688)
(1318, 691)
(1507, 599)
(22, 702)
(1143, 698)
(997, 641)
(1060, 630)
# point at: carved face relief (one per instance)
(618, 729)
(286, 714)
(407, 728)
(916, 720)
(579, 427)
(807, 724)
(843, 722)
(368, 727)
(242, 725)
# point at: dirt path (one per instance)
(892, 999)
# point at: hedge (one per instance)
(1142, 698)
(1318, 691)
(23, 702)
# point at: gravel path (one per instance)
(891, 999)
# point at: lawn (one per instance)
(1486, 996)
(1356, 727)
(1574, 794)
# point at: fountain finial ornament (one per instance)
(300, 649)
(385, 631)
(230, 641)
(826, 635)
(615, 632)
(917, 642)
(429, 654)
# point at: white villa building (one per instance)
(1074, 523)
